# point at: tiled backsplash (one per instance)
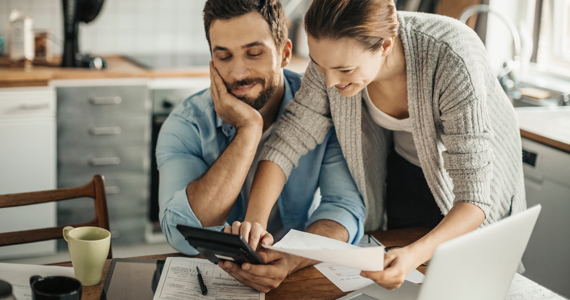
(122, 27)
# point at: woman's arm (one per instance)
(268, 184)
(301, 128)
(398, 263)
(466, 133)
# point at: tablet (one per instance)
(220, 246)
(132, 279)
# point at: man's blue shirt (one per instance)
(193, 137)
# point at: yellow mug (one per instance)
(88, 248)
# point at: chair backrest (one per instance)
(94, 189)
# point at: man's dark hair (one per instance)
(271, 10)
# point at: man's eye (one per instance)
(224, 58)
(254, 54)
(347, 71)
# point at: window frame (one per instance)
(551, 56)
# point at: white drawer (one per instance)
(27, 102)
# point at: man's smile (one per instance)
(243, 89)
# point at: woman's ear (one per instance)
(387, 46)
(286, 53)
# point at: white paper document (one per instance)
(179, 281)
(369, 241)
(328, 250)
(18, 275)
(348, 280)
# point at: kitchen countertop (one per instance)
(118, 68)
(546, 125)
(549, 126)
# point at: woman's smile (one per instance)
(343, 87)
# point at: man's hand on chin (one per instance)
(264, 278)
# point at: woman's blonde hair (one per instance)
(367, 21)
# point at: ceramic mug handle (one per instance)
(34, 278)
(66, 231)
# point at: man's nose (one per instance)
(240, 69)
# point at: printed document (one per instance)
(348, 280)
(328, 250)
(18, 275)
(179, 281)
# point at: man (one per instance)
(208, 147)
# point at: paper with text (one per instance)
(18, 275)
(369, 241)
(179, 281)
(328, 250)
(348, 280)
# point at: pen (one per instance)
(201, 281)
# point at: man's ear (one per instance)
(286, 53)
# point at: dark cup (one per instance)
(55, 288)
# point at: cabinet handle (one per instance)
(112, 190)
(105, 161)
(35, 106)
(106, 100)
(105, 130)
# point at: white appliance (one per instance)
(27, 162)
(547, 182)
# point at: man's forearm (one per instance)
(326, 228)
(213, 196)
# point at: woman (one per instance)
(429, 136)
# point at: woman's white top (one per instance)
(403, 138)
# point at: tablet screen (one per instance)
(132, 279)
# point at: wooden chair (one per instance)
(94, 189)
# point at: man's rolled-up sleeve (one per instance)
(341, 202)
(180, 163)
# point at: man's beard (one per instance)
(264, 96)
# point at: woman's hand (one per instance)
(253, 233)
(398, 263)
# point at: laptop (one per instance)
(478, 265)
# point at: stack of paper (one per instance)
(179, 281)
(342, 262)
(331, 251)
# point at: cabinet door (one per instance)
(27, 163)
(105, 129)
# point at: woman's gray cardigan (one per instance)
(464, 127)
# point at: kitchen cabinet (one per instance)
(27, 162)
(104, 128)
(547, 182)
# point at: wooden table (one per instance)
(308, 283)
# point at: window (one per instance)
(565, 34)
(554, 38)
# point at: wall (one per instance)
(123, 26)
(127, 26)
